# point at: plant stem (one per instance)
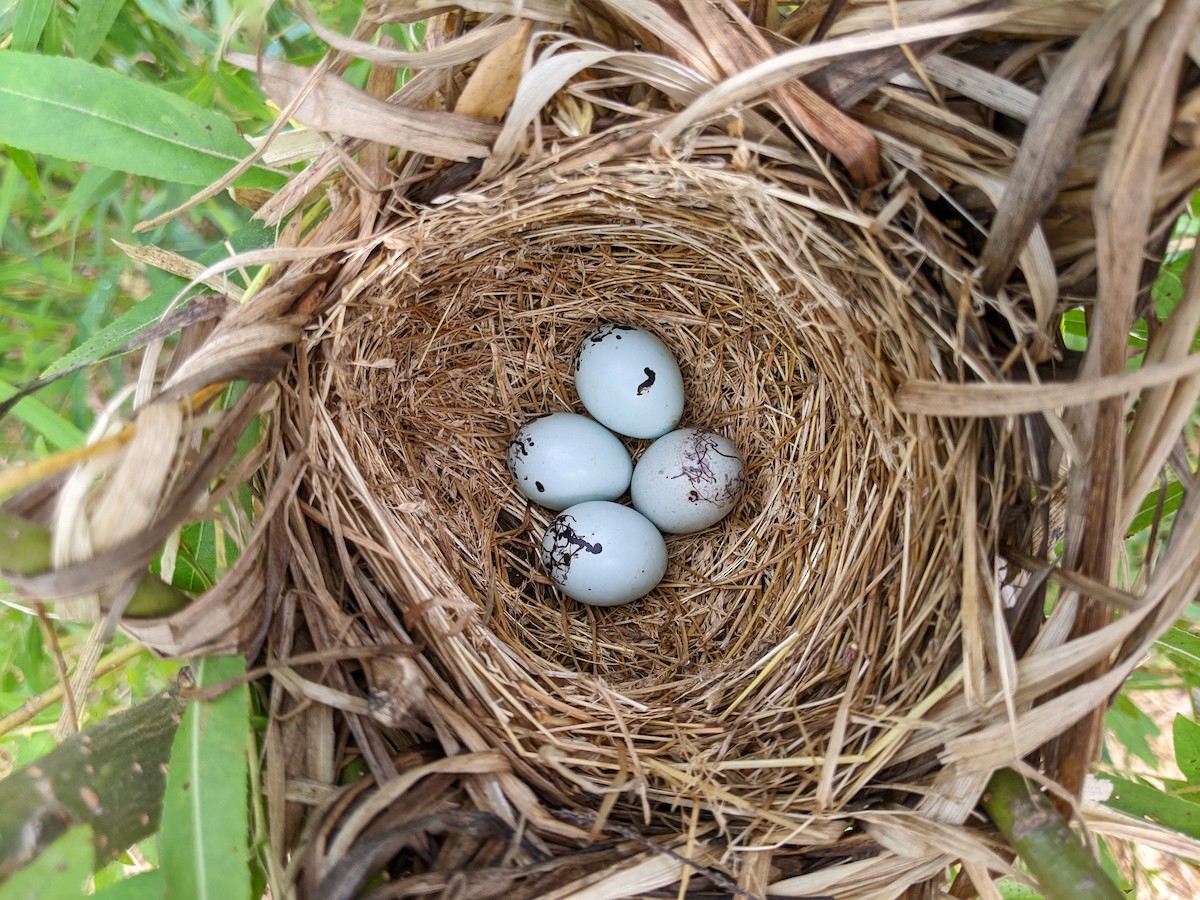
(25, 550)
(109, 776)
(1059, 861)
(47, 698)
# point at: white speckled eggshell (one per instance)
(687, 480)
(563, 459)
(628, 380)
(603, 553)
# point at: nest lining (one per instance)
(801, 620)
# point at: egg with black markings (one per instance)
(603, 553)
(629, 381)
(565, 458)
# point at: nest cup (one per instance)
(780, 641)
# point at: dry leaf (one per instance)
(492, 86)
(334, 106)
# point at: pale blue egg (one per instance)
(563, 459)
(603, 553)
(629, 381)
(688, 480)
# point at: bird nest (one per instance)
(778, 642)
(858, 239)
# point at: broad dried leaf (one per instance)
(330, 104)
(492, 86)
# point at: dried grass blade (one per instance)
(936, 398)
(849, 80)
(740, 47)
(883, 876)
(751, 84)
(973, 627)
(640, 875)
(337, 107)
(551, 11)
(1035, 257)
(134, 554)
(554, 71)
(131, 495)
(1163, 410)
(674, 36)
(457, 52)
(493, 84)
(1001, 743)
(1058, 121)
(181, 266)
(985, 87)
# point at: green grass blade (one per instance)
(143, 886)
(1186, 734)
(122, 333)
(95, 183)
(32, 16)
(59, 872)
(1150, 803)
(205, 822)
(92, 25)
(27, 166)
(75, 110)
(41, 419)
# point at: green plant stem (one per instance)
(109, 776)
(1059, 861)
(25, 550)
(54, 694)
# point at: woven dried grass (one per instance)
(857, 226)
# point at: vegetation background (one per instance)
(65, 280)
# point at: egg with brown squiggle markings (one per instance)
(688, 480)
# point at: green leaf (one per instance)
(42, 420)
(1182, 647)
(117, 336)
(26, 165)
(1011, 889)
(1187, 748)
(59, 872)
(92, 25)
(32, 16)
(1074, 329)
(1133, 728)
(1143, 801)
(143, 886)
(1171, 499)
(205, 821)
(76, 110)
(10, 192)
(196, 565)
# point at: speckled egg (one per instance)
(563, 459)
(603, 553)
(687, 480)
(628, 379)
